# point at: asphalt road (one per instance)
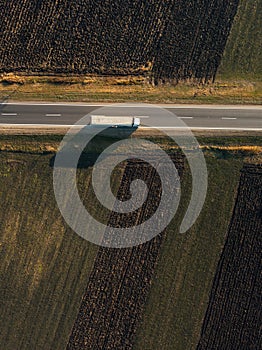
(196, 117)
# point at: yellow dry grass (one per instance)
(253, 149)
(125, 88)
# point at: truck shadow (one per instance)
(94, 148)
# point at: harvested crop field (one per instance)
(117, 289)
(163, 39)
(153, 296)
(233, 317)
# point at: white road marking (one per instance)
(39, 126)
(53, 115)
(227, 118)
(9, 114)
(204, 128)
(171, 106)
(141, 128)
(72, 104)
(185, 117)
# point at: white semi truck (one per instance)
(116, 127)
(131, 122)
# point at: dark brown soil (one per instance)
(167, 40)
(233, 317)
(117, 289)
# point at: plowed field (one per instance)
(171, 40)
(118, 286)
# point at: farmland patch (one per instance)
(164, 40)
(118, 286)
(233, 317)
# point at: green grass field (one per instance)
(180, 292)
(242, 57)
(44, 265)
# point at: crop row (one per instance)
(233, 317)
(172, 40)
(117, 288)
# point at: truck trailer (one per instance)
(116, 127)
(115, 122)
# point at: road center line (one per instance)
(9, 114)
(53, 115)
(185, 117)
